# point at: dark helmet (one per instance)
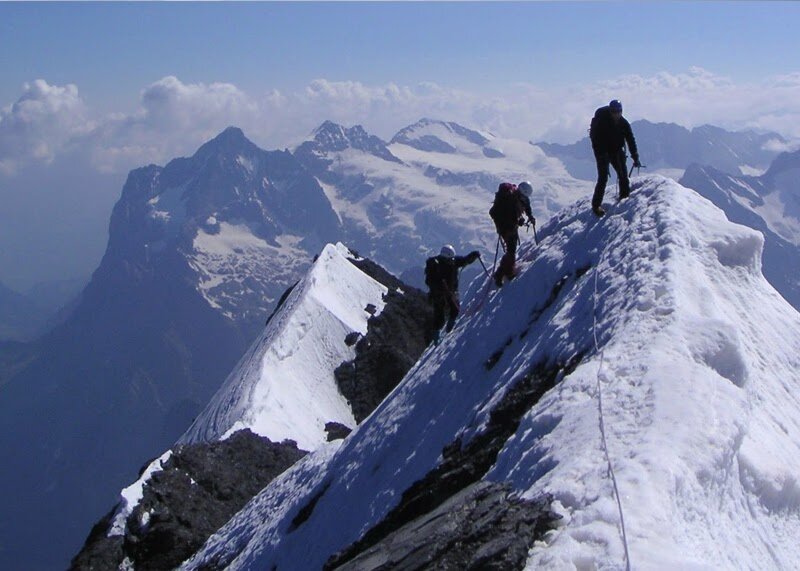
(615, 105)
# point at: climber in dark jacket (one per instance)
(609, 133)
(441, 277)
(511, 205)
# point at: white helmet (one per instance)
(525, 188)
(448, 251)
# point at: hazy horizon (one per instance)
(95, 90)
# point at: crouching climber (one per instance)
(441, 277)
(511, 205)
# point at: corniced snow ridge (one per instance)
(699, 379)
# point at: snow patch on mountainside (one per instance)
(284, 387)
(694, 355)
(777, 214)
(225, 260)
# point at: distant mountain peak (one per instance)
(434, 135)
(231, 140)
(783, 163)
(331, 137)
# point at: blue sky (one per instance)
(91, 90)
(112, 50)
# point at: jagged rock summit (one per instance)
(239, 219)
(660, 310)
(331, 138)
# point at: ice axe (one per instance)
(530, 225)
(637, 170)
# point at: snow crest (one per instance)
(700, 379)
(283, 388)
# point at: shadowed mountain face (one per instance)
(198, 253)
(20, 316)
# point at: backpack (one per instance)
(506, 209)
(433, 277)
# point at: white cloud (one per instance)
(40, 124)
(778, 146)
(173, 118)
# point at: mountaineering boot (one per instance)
(437, 337)
(498, 279)
(598, 210)
(624, 194)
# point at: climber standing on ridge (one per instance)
(609, 132)
(441, 277)
(511, 205)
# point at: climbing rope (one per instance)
(602, 418)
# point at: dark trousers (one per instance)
(445, 307)
(616, 160)
(509, 260)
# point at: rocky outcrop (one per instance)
(462, 466)
(394, 341)
(484, 527)
(199, 489)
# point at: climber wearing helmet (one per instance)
(441, 277)
(511, 205)
(609, 132)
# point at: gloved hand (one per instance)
(474, 255)
(521, 222)
(532, 221)
(636, 162)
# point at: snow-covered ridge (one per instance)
(697, 360)
(283, 388)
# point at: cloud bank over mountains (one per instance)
(173, 117)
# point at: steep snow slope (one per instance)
(662, 308)
(283, 388)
